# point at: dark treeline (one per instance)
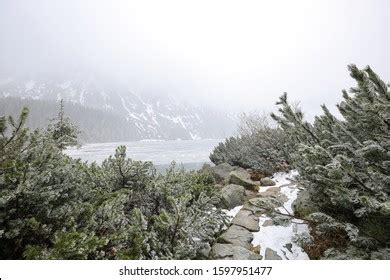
(95, 125)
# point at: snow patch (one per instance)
(65, 85)
(29, 85)
(233, 212)
(276, 238)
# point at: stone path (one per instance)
(257, 231)
(277, 240)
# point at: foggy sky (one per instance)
(238, 55)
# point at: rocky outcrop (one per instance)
(232, 252)
(243, 178)
(247, 219)
(233, 195)
(238, 236)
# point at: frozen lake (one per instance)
(191, 153)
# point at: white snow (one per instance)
(281, 178)
(276, 237)
(82, 98)
(291, 192)
(149, 109)
(104, 95)
(65, 85)
(134, 116)
(29, 85)
(194, 136)
(127, 109)
(233, 212)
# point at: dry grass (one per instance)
(321, 242)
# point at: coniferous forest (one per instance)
(55, 207)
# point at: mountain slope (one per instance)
(146, 117)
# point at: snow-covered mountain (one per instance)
(150, 116)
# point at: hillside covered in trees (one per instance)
(95, 125)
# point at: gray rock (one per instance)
(256, 249)
(281, 220)
(233, 195)
(266, 203)
(232, 252)
(267, 182)
(237, 235)
(271, 255)
(274, 189)
(221, 172)
(288, 246)
(268, 223)
(204, 253)
(255, 210)
(246, 219)
(274, 193)
(250, 194)
(243, 178)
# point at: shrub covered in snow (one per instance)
(259, 146)
(346, 162)
(56, 207)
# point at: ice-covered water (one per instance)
(191, 153)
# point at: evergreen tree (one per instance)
(56, 207)
(258, 146)
(63, 131)
(346, 163)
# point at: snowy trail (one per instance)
(279, 238)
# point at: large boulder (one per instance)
(237, 235)
(232, 252)
(220, 172)
(247, 219)
(267, 182)
(233, 195)
(243, 178)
